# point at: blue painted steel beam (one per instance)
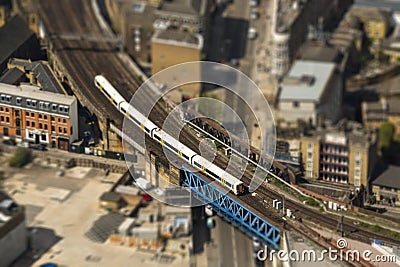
(232, 210)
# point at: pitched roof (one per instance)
(389, 178)
(12, 36)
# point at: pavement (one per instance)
(64, 222)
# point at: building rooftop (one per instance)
(389, 106)
(179, 38)
(192, 7)
(373, 13)
(42, 72)
(287, 12)
(344, 133)
(12, 36)
(35, 92)
(306, 80)
(110, 197)
(389, 178)
(12, 76)
(389, 4)
(322, 53)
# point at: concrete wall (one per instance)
(289, 113)
(13, 244)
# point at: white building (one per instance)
(312, 91)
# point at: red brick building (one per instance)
(30, 114)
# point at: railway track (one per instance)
(84, 59)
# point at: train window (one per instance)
(146, 129)
(173, 148)
(228, 184)
(107, 95)
(157, 137)
(197, 165)
(212, 174)
(186, 157)
(123, 110)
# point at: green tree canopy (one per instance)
(386, 134)
(21, 157)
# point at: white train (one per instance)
(176, 147)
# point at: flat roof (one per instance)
(323, 53)
(192, 7)
(320, 71)
(389, 178)
(174, 37)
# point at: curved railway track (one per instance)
(84, 59)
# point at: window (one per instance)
(33, 124)
(1, 108)
(41, 105)
(7, 110)
(18, 122)
(59, 130)
(59, 119)
(45, 117)
(17, 113)
(40, 116)
(18, 131)
(309, 155)
(64, 121)
(45, 127)
(296, 104)
(46, 105)
(52, 118)
(44, 137)
(65, 130)
(7, 119)
(2, 118)
(53, 129)
(34, 102)
(18, 101)
(54, 107)
(30, 135)
(40, 126)
(28, 123)
(3, 98)
(8, 98)
(28, 102)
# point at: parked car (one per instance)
(254, 14)
(254, 3)
(40, 147)
(252, 33)
(10, 142)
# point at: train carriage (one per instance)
(109, 91)
(172, 144)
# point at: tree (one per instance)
(386, 134)
(21, 157)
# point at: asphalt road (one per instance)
(230, 247)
